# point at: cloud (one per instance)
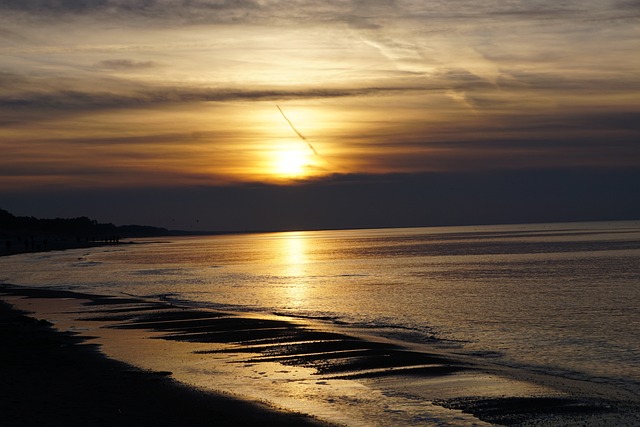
(125, 64)
(131, 13)
(408, 85)
(347, 201)
(184, 11)
(629, 4)
(11, 79)
(82, 100)
(59, 6)
(97, 92)
(356, 13)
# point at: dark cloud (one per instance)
(96, 173)
(197, 11)
(125, 64)
(46, 169)
(348, 201)
(602, 120)
(599, 81)
(43, 7)
(356, 13)
(61, 94)
(531, 10)
(560, 121)
(12, 36)
(9, 80)
(629, 5)
(134, 13)
(86, 100)
(60, 6)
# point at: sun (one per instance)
(290, 163)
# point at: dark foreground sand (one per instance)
(48, 378)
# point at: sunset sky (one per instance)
(420, 112)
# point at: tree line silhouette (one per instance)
(27, 233)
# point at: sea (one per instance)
(560, 299)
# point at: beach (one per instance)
(464, 326)
(57, 378)
(52, 378)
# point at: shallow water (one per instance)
(554, 298)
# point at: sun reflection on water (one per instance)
(294, 262)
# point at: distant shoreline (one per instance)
(44, 243)
(23, 234)
(54, 245)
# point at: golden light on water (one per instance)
(294, 260)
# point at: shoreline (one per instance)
(53, 378)
(57, 245)
(259, 341)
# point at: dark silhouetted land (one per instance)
(20, 234)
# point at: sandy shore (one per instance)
(51, 378)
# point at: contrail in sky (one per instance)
(302, 137)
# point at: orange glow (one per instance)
(290, 163)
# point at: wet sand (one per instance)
(98, 390)
(49, 378)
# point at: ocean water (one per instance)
(562, 299)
